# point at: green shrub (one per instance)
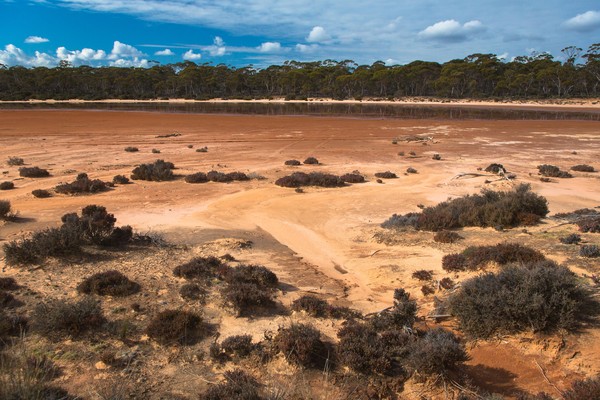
(541, 297)
(59, 318)
(108, 283)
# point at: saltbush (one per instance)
(33, 172)
(386, 175)
(573, 238)
(41, 193)
(475, 257)
(238, 385)
(8, 283)
(301, 345)
(249, 286)
(131, 149)
(198, 177)
(411, 170)
(583, 168)
(436, 353)
(176, 326)
(5, 209)
(108, 283)
(352, 178)
(237, 345)
(7, 185)
(159, 170)
(121, 179)
(204, 268)
(495, 168)
(586, 389)
(422, 275)
(59, 318)
(82, 184)
(319, 308)
(15, 161)
(401, 315)
(292, 162)
(311, 161)
(541, 297)
(589, 251)
(191, 291)
(446, 237)
(553, 171)
(591, 224)
(298, 179)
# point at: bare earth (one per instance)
(325, 241)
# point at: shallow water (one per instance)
(401, 111)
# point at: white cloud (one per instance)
(217, 49)
(77, 57)
(306, 48)
(36, 39)
(12, 55)
(165, 52)
(586, 22)
(135, 62)
(269, 47)
(218, 41)
(318, 35)
(191, 56)
(451, 30)
(122, 50)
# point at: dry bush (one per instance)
(423, 275)
(131, 149)
(427, 290)
(386, 175)
(488, 209)
(33, 172)
(237, 345)
(437, 353)
(249, 286)
(292, 162)
(298, 179)
(319, 308)
(41, 193)
(8, 283)
(587, 389)
(238, 385)
(238, 176)
(198, 177)
(15, 161)
(583, 168)
(11, 326)
(454, 262)
(573, 238)
(589, 251)
(7, 185)
(311, 161)
(5, 209)
(495, 168)
(82, 184)
(108, 283)
(202, 150)
(446, 283)
(553, 171)
(402, 314)
(436, 157)
(203, 268)
(59, 318)
(7, 300)
(120, 179)
(411, 170)
(155, 151)
(159, 170)
(475, 257)
(176, 326)
(541, 297)
(591, 225)
(191, 291)
(353, 178)
(446, 237)
(301, 345)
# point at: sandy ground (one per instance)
(323, 240)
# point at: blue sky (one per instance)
(264, 32)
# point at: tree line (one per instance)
(476, 76)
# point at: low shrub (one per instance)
(495, 168)
(5, 209)
(352, 178)
(238, 385)
(198, 177)
(292, 162)
(573, 238)
(202, 150)
(301, 345)
(586, 389)
(7, 185)
(159, 170)
(108, 283)
(176, 326)
(8, 283)
(311, 161)
(401, 315)
(238, 176)
(298, 179)
(237, 345)
(33, 172)
(553, 171)
(216, 176)
(311, 305)
(386, 175)
(249, 286)
(191, 291)
(411, 170)
(121, 179)
(427, 290)
(155, 151)
(475, 257)
(58, 318)
(541, 297)
(204, 268)
(446, 237)
(11, 326)
(436, 157)
(255, 274)
(437, 353)
(591, 224)
(583, 168)
(589, 251)
(446, 283)
(422, 275)
(488, 209)
(82, 184)
(454, 262)
(15, 161)
(131, 149)
(7, 300)
(41, 193)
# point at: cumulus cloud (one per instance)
(191, 56)
(165, 52)
(135, 62)
(451, 31)
(586, 22)
(269, 47)
(218, 48)
(12, 55)
(318, 35)
(36, 39)
(77, 57)
(122, 50)
(306, 48)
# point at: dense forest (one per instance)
(476, 76)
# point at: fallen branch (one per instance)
(546, 378)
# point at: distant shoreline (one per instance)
(591, 104)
